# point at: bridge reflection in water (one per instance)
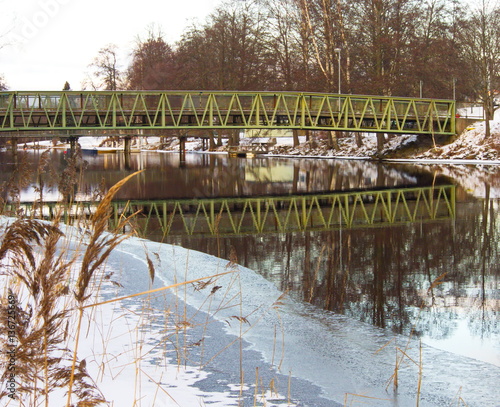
(272, 214)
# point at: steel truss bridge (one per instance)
(77, 111)
(270, 214)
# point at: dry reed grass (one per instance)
(39, 277)
(402, 356)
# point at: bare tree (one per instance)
(229, 51)
(106, 74)
(323, 23)
(194, 57)
(383, 30)
(434, 61)
(153, 65)
(283, 25)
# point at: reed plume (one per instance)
(100, 244)
(35, 313)
(42, 298)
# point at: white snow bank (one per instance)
(471, 145)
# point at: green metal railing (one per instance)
(272, 214)
(135, 110)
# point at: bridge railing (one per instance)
(215, 110)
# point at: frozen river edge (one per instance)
(325, 359)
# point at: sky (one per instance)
(45, 43)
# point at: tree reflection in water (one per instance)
(384, 275)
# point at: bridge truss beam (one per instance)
(141, 110)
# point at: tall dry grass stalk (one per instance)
(98, 249)
(100, 244)
(402, 354)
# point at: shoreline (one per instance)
(400, 160)
(453, 161)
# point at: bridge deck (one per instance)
(136, 110)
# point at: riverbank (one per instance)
(469, 146)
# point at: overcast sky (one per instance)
(48, 42)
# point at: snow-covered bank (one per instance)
(469, 146)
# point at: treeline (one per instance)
(429, 48)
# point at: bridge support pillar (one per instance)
(127, 142)
(73, 143)
(333, 140)
(13, 146)
(380, 141)
(234, 138)
(296, 140)
(182, 151)
(127, 149)
(211, 141)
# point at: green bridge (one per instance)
(77, 111)
(269, 214)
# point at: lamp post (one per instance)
(337, 51)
